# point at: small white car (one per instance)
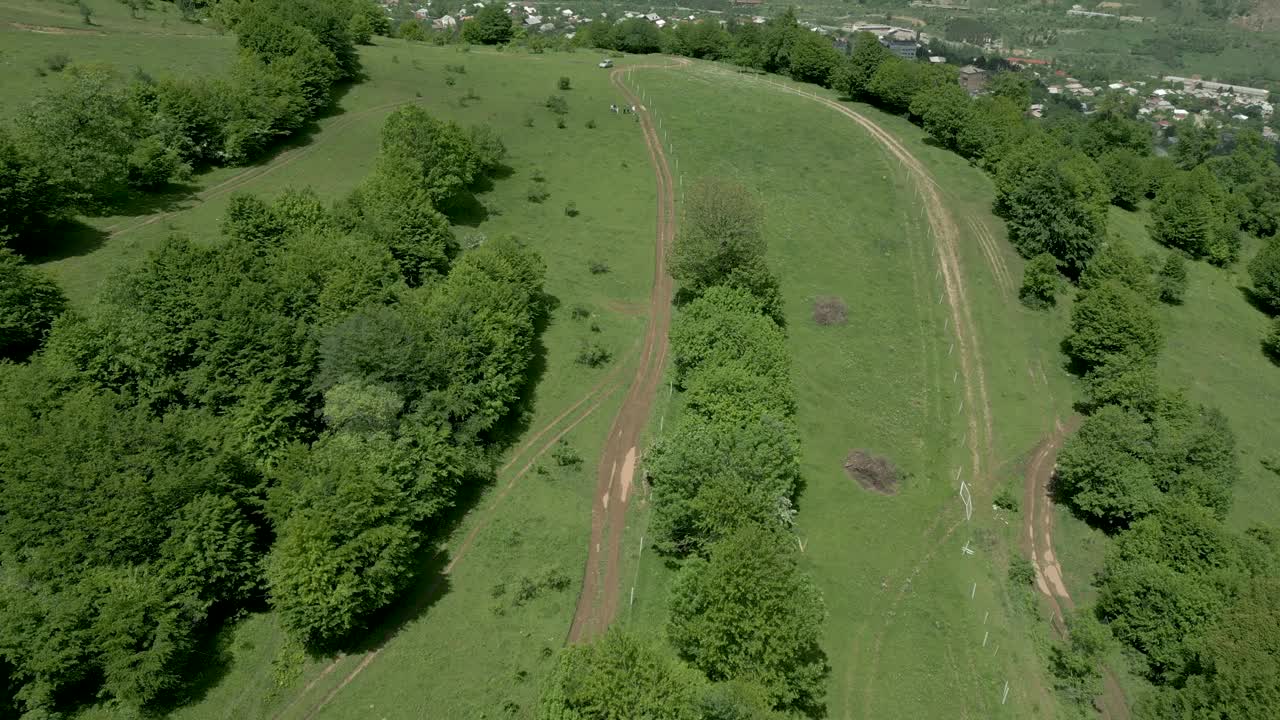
(606, 63)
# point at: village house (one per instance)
(973, 79)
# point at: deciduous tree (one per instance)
(748, 611)
(1109, 320)
(29, 303)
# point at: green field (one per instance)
(34, 31)
(842, 219)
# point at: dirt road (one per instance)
(1037, 544)
(601, 581)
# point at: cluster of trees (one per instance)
(1157, 471)
(280, 418)
(745, 620)
(99, 136)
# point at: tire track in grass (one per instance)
(602, 391)
(987, 243)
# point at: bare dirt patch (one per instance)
(873, 473)
(830, 310)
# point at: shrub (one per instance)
(538, 194)
(1040, 282)
(560, 123)
(565, 455)
(592, 354)
(563, 84)
(1021, 572)
(571, 209)
(459, 69)
(1271, 343)
(557, 104)
(57, 62)
(591, 124)
(450, 81)
(537, 176)
(1006, 499)
(528, 121)
(597, 267)
(580, 312)
(1172, 279)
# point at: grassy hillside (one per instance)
(904, 637)
(482, 651)
(37, 35)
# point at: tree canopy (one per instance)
(749, 612)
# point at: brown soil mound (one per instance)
(871, 472)
(830, 310)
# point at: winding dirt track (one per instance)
(1037, 543)
(601, 582)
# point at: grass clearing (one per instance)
(158, 42)
(473, 651)
(904, 637)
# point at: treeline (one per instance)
(1194, 601)
(97, 137)
(279, 419)
(744, 619)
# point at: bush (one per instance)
(1040, 282)
(563, 84)
(580, 312)
(598, 268)
(565, 455)
(1172, 279)
(1021, 572)
(57, 62)
(528, 121)
(450, 81)
(591, 124)
(1271, 343)
(1264, 270)
(592, 354)
(560, 123)
(1007, 499)
(557, 104)
(571, 209)
(537, 194)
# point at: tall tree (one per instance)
(1111, 320)
(1264, 270)
(1190, 214)
(1054, 200)
(491, 25)
(865, 58)
(29, 302)
(750, 612)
